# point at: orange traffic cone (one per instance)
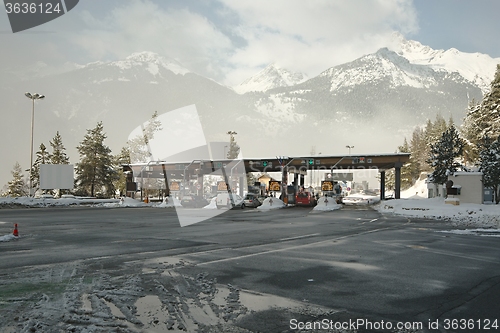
(15, 233)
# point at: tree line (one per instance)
(440, 148)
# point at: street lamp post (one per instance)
(225, 156)
(349, 147)
(33, 97)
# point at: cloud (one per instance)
(138, 26)
(225, 40)
(311, 36)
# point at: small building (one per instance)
(468, 186)
(265, 179)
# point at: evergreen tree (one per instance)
(234, 149)
(58, 155)
(483, 119)
(17, 186)
(42, 157)
(406, 176)
(96, 171)
(434, 130)
(471, 131)
(139, 146)
(491, 107)
(490, 165)
(390, 180)
(419, 152)
(444, 154)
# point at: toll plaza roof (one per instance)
(293, 163)
(379, 161)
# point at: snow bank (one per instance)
(7, 238)
(50, 202)
(170, 202)
(326, 204)
(479, 232)
(417, 191)
(122, 202)
(271, 203)
(466, 215)
(360, 199)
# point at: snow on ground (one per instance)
(417, 191)
(271, 203)
(7, 238)
(326, 204)
(464, 214)
(73, 201)
(360, 199)
(123, 202)
(170, 202)
(479, 232)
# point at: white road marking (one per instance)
(286, 248)
(298, 237)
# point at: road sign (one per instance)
(198, 186)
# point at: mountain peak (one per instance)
(144, 56)
(153, 61)
(475, 67)
(272, 76)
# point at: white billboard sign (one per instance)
(56, 176)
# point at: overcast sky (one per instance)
(230, 40)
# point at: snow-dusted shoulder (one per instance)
(463, 215)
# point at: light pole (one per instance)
(32, 97)
(225, 156)
(349, 147)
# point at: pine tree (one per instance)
(234, 149)
(17, 186)
(58, 155)
(406, 176)
(490, 165)
(444, 154)
(96, 172)
(491, 107)
(471, 131)
(483, 119)
(419, 152)
(139, 146)
(434, 130)
(42, 157)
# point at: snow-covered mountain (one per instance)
(476, 67)
(371, 102)
(382, 89)
(152, 62)
(270, 77)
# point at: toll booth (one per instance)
(331, 188)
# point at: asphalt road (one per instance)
(354, 261)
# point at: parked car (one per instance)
(252, 200)
(193, 201)
(223, 200)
